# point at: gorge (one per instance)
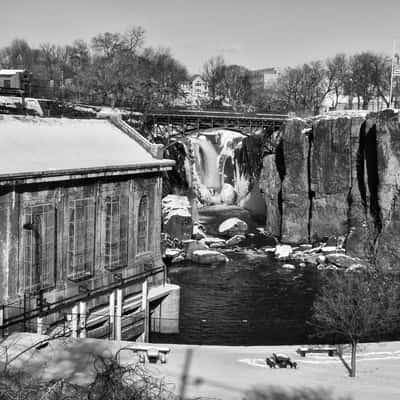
(329, 176)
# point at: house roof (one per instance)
(10, 71)
(46, 147)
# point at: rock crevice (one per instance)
(337, 177)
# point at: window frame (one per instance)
(46, 232)
(76, 272)
(145, 218)
(123, 231)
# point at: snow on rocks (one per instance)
(329, 249)
(288, 266)
(172, 252)
(214, 241)
(228, 194)
(341, 260)
(177, 218)
(283, 251)
(233, 241)
(198, 232)
(191, 246)
(178, 259)
(208, 257)
(233, 226)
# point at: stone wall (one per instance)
(337, 176)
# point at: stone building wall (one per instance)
(65, 289)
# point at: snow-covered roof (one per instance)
(10, 71)
(34, 146)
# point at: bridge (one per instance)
(186, 121)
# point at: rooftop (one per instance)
(33, 146)
(10, 71)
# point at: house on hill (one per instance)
(195, 91)
(80, 226)
(15, 81)
(261, 78)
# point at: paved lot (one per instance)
(227, 372)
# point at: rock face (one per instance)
(177, 218)
(337, 176)
(387, 205)
(330, 177)
(293, 162)
(270, 187)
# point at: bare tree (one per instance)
(236, 85)
(338, 72)
(354, 306)
(213, 74)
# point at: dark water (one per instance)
(251, 300)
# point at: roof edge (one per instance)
(156, 150)
(92, 172)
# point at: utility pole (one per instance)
(185, 373)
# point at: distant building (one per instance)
(80, 226)
(261, 78)
(15, 81)
(195, 91)
(345, 102)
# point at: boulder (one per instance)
(172, 252)
(218, 245)
(233, 241)
(283, 251)
(178, 259)
(357, 267)
(198, 232)
(288, 266)
(228, 194)
(321, 259)
(269, 249)
(214, 241)
(304, 247)
(331, 267)
(311, 259)
(177, 218)
(232, 226)
(192, 245)
(329, 249)
(341, 260)
(208, 257)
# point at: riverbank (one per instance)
(223, 372)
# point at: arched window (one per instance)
(115, 243)
(143, 222)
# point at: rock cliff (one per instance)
(337, 176)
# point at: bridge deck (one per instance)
(190, 120)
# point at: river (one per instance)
(251, 300)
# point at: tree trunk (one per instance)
(353, 358)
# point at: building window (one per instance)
(143, 221)
(115, 245)
(39, 247)
(7, 83)
(81, 234)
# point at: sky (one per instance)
(253, 33)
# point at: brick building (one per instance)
(80, 224)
